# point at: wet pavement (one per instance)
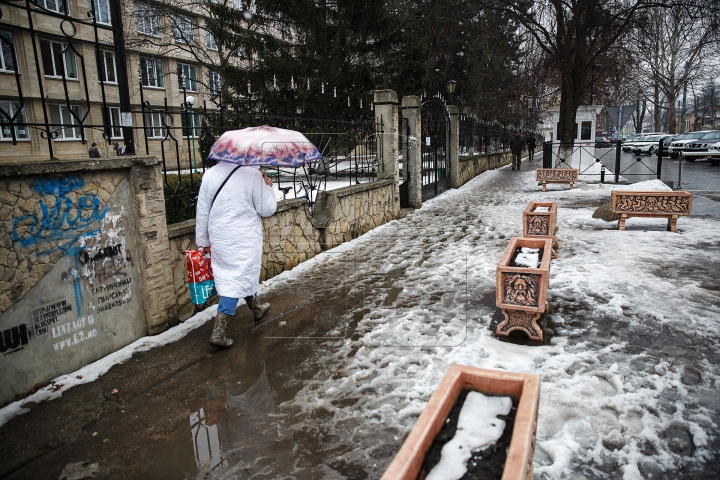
(266, 407)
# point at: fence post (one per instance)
(387, 113)
(411, 111)
(454, 146)
(660, 157)
(547, 155)
(618, 152)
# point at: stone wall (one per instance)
(293, 235)
(81, 244)
(472, 166)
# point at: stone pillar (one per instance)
(387, 114)
(156, 271)
(454, 147)
(411, 106)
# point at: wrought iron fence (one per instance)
(477, 136)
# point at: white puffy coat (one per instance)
(233, 227)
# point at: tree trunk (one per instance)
(571, 95)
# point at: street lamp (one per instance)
(190, 102)
(451, 84)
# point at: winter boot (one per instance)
(218, 338)
(258, 309)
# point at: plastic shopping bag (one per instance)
(200, 276)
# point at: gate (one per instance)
(435, 143)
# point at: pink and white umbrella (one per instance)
(264, 146)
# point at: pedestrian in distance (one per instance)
(531, 146)
(94, 152)
(516, 148)
(231, 203)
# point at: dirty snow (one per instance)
(613, 403)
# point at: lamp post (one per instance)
(451, 84)
(190, 102)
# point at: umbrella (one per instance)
(264, 146)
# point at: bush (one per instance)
(180, 196)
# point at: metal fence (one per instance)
(605, 162)
(478, 136)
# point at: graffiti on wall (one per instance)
(58, 225)
(13, 339)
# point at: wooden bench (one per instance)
(655, 204)
(541, 223)
(556, 175)
(521, 292)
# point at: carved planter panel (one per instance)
(670, 205)
(525, 387)
(521, 292)
(522, 288)
(556, 175)
(540, 224)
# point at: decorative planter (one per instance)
(556, 175)
(521, 292)
(541, 224)
(654, 204)
(524, 387)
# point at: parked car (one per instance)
(700, 147)
(647, 145)
(678, 144)
(714, 154)
(603, 142)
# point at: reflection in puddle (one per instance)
(205, 442)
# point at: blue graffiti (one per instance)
(60, 224)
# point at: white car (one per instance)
(648, 144)
(676, 147)
(714, 154)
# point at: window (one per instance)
(183, 30)
(102, 11)
(210, 40)
(215, 82)
(188, 74)
(106, 66)
(154, 127)
(13, 113)
(7, 47)
(151, 70)
(58, 59)
(58, 6)
(66, 122)
(147, 19)
(115, 125)
(187, 120)
(585, 130)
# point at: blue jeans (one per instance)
(228, 305)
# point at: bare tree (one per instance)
(675, 42)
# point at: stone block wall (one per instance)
(83, 271)
(472, 166)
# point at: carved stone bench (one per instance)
(556, 175)
(540, 220)
(655, 204)
(521, 292)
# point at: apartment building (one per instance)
(73, 73)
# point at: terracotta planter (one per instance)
(525, 387)
(521, 292)
(655, 204)
(541, 224)
(556, 175)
